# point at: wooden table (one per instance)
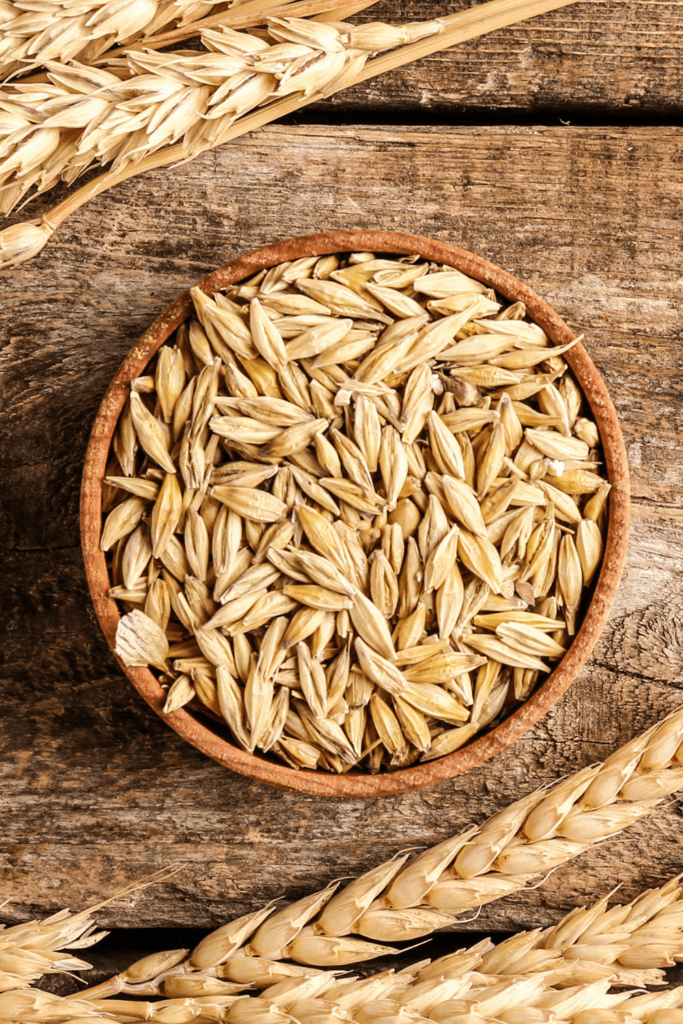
(555, 149)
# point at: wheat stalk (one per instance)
(22, 242)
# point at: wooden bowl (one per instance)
(212, 738)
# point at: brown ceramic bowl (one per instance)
(212, 738)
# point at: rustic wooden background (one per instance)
(555, 149)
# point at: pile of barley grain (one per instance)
(353, 510)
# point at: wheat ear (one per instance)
(445, 992)
(398, 901)
(406, 900)
(628, 945)
(64, 34)
(21, 242)
(34, 948)
(512, 1001)
(563, 966)
(320, 10)
(535, 834)
(87, 116)
(89, 34)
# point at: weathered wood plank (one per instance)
(601, 57)
(97, 791)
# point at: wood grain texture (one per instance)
(596, 57)
(96, 791)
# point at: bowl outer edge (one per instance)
(357, 784)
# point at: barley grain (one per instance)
(353, 515)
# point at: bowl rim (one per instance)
(357, 784)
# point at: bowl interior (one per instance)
(213, 739)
